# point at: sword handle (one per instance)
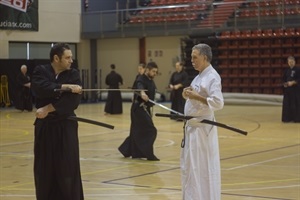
(63, 90)
(162, 115)
(175, 116)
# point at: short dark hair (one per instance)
(113, 66)
(142, 65)
(151, 65)
(180, 63)
(58, 49)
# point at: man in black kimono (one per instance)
(56, 146)
(139, 143)
(178, 81)
(23, 100)
(114, 99)
(291, 93)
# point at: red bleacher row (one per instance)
(165, 18)
(171, 2)
(270, 12)
(260, 33)
(271, 8)
(186, 10)
(253, 61)
(184, 13)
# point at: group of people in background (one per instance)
(56, 147)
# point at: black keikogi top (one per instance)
(45, 81)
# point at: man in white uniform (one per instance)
(200, 159)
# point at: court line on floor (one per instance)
(255, 196)
(259, 152)
(261, 188)
(265, 161)
(262, 182)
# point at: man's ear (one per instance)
(56, 58)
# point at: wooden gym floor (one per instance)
(263, 165)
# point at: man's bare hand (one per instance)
(186, 92)
(42, 112)
(74, 88)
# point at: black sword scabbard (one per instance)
(224, 126)
(90, 122)
(204, 121)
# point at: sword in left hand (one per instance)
(179, 115)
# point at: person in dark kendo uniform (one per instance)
(114, 99)
(56, 146)
(178, 81)
(139, 143)
(23, 99)
(291, 93)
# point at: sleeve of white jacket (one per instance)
(215, 98)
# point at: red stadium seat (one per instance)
(235, 34)
(225, 34)
(289, 32)
(256, 33)
(244, 53)
(267, 33)
(278, 33)
(266, 63)
(246, 34)
(245, 63)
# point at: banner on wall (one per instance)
(19, 15)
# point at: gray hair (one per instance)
(23, 66)
(291, 58)
(205, 50)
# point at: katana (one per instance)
(99, 90)
(178, 115)
(205, 121)
(160, 105)
(166, 108)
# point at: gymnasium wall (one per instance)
(124, 53)
(59, 21)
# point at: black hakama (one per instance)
(56, 146)
(114, 99)
(291, 96)
(139, 143)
